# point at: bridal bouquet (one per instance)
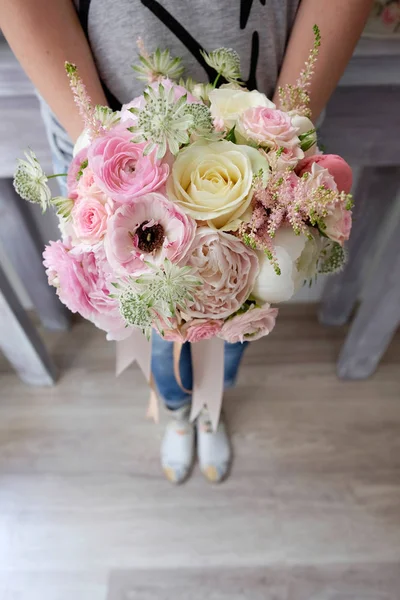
(195, 207)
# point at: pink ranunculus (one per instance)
(90, 217)
(250, 325)
(336, 165)
(267, 126)
(120, 168)
(74, 168)
(139, 101)
(150, 228)
(83, 282)
(338, 224)
(228, 270)
(201, 329)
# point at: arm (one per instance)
(341, 23)
(43, 35)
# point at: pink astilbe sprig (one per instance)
(83, 101)
(296, 97)
(312, 203)
(287, 199)
(268, 213)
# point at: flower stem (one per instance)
(57, 175)
(216, 79)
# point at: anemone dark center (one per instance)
(150, 238)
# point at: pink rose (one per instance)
(90, 217)
(336, 165)
(149, 229)
(391, 14)
(287, 158)
(268, 127)
(87, 186)
(320, 177)
(139, 101)
(173, 335)
(338, 224)
(250, 325)
(201, 329)
(219, 124)
(121, 170)
(74, 168)
(228, 269)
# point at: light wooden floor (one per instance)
(313, 501)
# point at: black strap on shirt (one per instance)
(83, 13)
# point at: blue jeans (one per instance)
(162, 366)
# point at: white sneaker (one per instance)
(214, 449)
(177, 447)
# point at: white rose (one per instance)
(82, 142)
(228, 103)
(212, 181)
(304, 125)
(297, 259)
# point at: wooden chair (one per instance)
(19, 235)
(363, 125)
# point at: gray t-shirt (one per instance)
(257, 29)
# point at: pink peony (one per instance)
(228, 269)
(250, 325)
(65, 272)
(337, 167)
(201, 329)
(121, 170)
(83, 282)
(149, 229)
(267, 126)
(338, 224)
(74, 168)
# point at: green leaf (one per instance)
(230, 136)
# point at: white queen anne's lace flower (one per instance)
(106, 116)
(134, 311)
(225, 61)
(157, 65)
(30, 181)
(156, 297)
(168, 288)
(163, 122)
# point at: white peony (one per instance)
(228, 103)
(297, 258)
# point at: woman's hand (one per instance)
(341, 23)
